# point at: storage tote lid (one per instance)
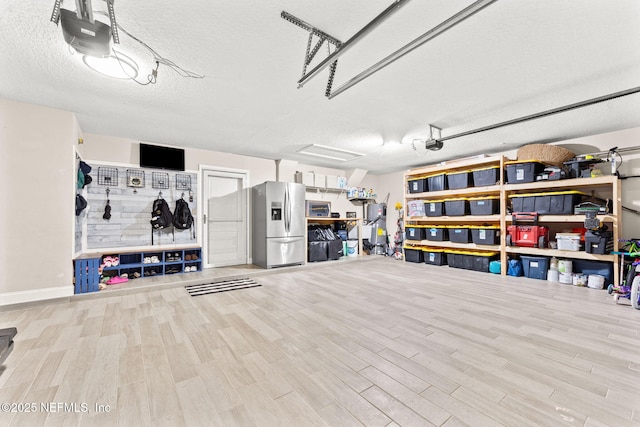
(519, 162)
(567, 235)
(483, 198)
(458, 226)
(474, 253)
(435, 250)
(456, 199)
(550, 193)
(458, 172)
(486, 169)
(485, 227)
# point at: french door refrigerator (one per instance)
(278, 224)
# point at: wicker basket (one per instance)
(545, 153)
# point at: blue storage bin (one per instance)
(535, 267)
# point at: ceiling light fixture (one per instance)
(329, 153)
(82, 32)
(93, 38)
(117, 66)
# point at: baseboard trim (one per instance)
(19, 297)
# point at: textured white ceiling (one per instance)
(514, 58)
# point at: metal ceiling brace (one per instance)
(432, 33)
(311, 53)
(346, 45)
(546, 113)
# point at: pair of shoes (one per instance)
(136, 275)
(190, 257)
(110, 261)
(155, 260)
(117, 279)
(146, 260)
(189, 269)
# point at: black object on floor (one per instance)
(6, 342)
(222, 286)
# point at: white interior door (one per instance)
(226, 224)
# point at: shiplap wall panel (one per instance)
(129, 224)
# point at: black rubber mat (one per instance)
(222, 286)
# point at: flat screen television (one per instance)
(157, 157)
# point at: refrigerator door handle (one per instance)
(287, 208)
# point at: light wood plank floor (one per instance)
(375, 342)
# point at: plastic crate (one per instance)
(484, 205)
(535, 267)
(459, 180)
(519, 172)
(549, 203)
(415, 208)
(412, 254)
(414, 233)
(456, 207)
(434, 207)
(437, 182)
(434, 256)
(454, 259)
(486, 176)
(86, 275)
(489, 235)
(482, 261)
(417, 185)
(568, 241)
(436, 233)
(459, 234)
(467, 260)
(600, 243)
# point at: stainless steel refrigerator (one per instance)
(278, 224)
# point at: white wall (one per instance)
(37, 195)
(37, 173)
(126, 152)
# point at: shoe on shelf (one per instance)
(124, 275)
(117, 279)
(136, 275)
(146, 260)
(155, 260)
(115, 261)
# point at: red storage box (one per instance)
(531, 235)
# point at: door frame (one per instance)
(204, 169)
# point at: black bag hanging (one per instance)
(182, 217)
(107, 211)
(161, 216)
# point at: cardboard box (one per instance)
(332, 181)
(305, 178)
(319, 180)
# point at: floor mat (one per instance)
(222, 286)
